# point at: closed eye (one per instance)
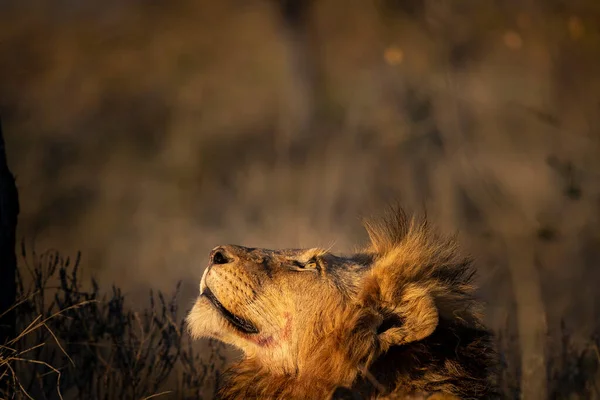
(297, 264)
(311, 265)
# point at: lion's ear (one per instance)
(414, 317)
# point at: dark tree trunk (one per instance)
(9, 210)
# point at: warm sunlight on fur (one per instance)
(397, 320)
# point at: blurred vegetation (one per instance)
(146, 133)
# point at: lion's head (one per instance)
(397, 319)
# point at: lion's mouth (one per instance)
(239, 323)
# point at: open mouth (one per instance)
(238, 322)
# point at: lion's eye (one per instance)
(310, 265)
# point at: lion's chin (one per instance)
(206, 320)
(203, 321)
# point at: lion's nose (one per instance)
(221, 255)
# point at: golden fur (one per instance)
(397, 320)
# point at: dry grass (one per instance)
(75, 343)
(10, 356)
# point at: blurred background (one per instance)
(144, 133)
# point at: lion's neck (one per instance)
(249, 380)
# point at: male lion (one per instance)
(397, 320)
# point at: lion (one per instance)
(396, 320)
